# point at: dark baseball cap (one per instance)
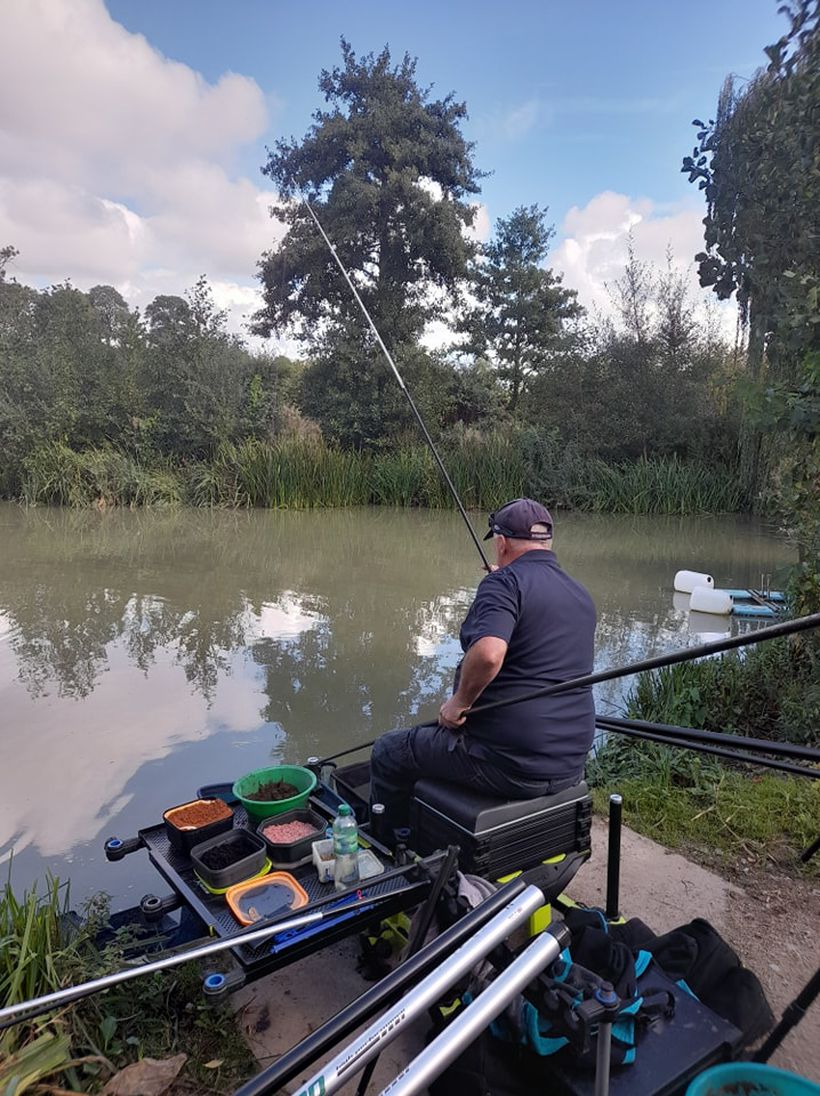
(515, 519)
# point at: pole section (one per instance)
(734, 741)
(291, 1064)
(717, 751)
(469, 1024)
(14, 1014)
(353, 1058)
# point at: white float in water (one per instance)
(706, 600)
(687, 581)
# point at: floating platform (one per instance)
(752, 595)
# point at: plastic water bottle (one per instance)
(345, 848)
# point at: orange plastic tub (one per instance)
(259, 899)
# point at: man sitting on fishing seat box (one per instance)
(530, 626)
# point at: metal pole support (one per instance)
(613, 863)
(603, 1052)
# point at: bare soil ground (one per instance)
(771, 921)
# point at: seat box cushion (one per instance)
(478, 813)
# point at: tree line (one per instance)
(389, 173)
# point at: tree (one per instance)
(647, 381)
(758, 163)
(522, 310)
(204, 387)
(388, 172)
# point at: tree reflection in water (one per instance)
(330, 605)
(144, 653)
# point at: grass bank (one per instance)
(81, 1046)
(726, 817)
(723, 812)
(304, 472)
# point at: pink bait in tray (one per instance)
(283, 833)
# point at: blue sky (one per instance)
(132, 133)
(565, 99)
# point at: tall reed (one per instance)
(663, 485)
(59, 475)
(32, 947)
(305, 472)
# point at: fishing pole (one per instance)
(485, 562)
(784, 628)
(28, 1010)
(772, 631)
(717, 738)
(715, 751)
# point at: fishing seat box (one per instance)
(495, 836)
(498, 836)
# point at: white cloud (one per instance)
(520, 120)
(593, 248)
(481, 228)
(116, 163)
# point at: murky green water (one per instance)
(145, 654)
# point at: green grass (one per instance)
(80, 1046)
(722, 810)
(722, 814)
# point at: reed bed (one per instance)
(305, 473)
(59, 475)
(662, 485)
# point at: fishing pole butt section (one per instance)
(478, 1015)
(372, 1041)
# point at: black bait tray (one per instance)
(177, 869)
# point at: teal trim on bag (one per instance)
(642, 961)
(687, 989)
(631, 1009)
(566, 958)
(540, 1043)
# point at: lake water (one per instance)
(145, 654)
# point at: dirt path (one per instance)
(773, 926)
(773, 923)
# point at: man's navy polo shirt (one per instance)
(548, 621)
